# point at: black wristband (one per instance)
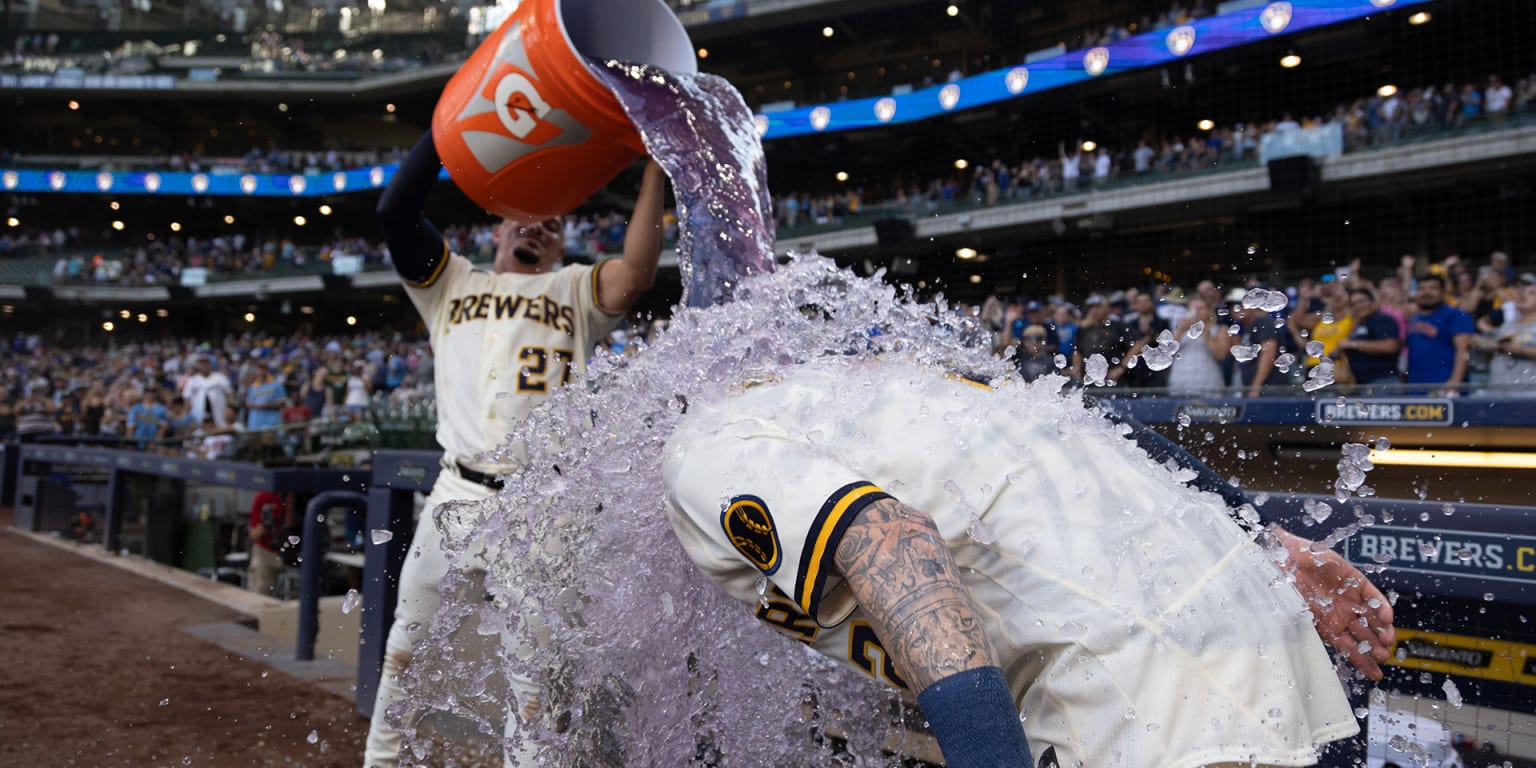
(973, 717)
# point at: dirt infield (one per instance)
(95, 670)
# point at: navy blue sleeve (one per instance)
(972, 716)
(416, 248)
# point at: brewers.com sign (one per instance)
(1385, 411)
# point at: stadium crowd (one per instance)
(163, 260)
(1377, 120)
(1380, 119)
(1445, 328)
(193, 396)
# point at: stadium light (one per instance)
(107, 326)
(175, 226)
(325, 210)
(827, 32)
(143, 318)
(282, 106)
(1089, 146)
(1205, 125)
(1386, 90)
(73, 105)
(390, 108)
(1290, 61)
(124, 314)
(965, 253)
(1437, 458)
(351, 320)
(842, 175)
(703, 53)
(952, 11)
(250, 317)
(961, 164)
(300, 220)
(13, 222)
(975, 279)
(118, 225)
(113, 205)
(228, 219)
(162, 312)
(1419, 19)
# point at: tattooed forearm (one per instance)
(905, 580)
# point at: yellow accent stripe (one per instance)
(952, 376)
(597, 296)
(819, 551)
(1453, 655)
(438, 272)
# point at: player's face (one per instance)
(539, 244)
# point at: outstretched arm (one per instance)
(415, 246)
(622, 281)
(1351, 614)
(897, 566)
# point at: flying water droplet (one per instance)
(1245, 352)
(1274, 301)
(165, 702)
(381, 535)
(1284, 362)
(293, 541)
(1060, 361)
(351, 601)
(1196, 329)
(1096, 369)
(313, 737)
(1314, 349)
(1452, 693)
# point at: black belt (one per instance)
(490, 481)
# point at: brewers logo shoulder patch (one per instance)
(750, 527)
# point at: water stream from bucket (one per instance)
(641, 659)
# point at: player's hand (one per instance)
(1350, 613)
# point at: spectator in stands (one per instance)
(1071, 166)
(206, 391)
(1496, 99)
(7, 415)
(267, 525)
(1204, 344)
(1144, 326)
(1373, 343)
(1439, 339)
(265, 397)
(1032, 358)
(147, 420)
(1102, 335)
(1513, 369)
(1260, 343)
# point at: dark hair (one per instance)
(1363, 291)
(1433, 279)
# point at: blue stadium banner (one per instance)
(1386, 411)
(1486, 557)
(1241, 27)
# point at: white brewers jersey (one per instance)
(501, 344)
(1137, 624)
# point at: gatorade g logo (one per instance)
(508, 117)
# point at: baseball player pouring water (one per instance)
(1006, 556)
(503, 339)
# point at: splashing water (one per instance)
(606, 538)
(1245, 352)
(1095, 370)
(701, 133)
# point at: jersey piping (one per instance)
(826, 532)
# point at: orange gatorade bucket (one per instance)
(524, 127)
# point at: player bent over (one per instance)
(1019, 563)
(502, 339)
